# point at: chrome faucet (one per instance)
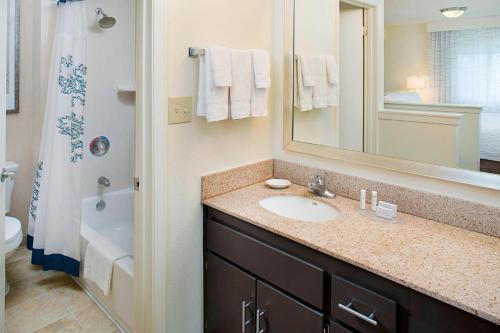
(317, 186)
(104, 181)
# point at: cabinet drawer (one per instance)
(337, 328)
(289, 273)
(362, 309)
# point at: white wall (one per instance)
(198, 148)
(110, 62)
(316, 33)
(406, 54)
(351, 90)
(464, 23)
(21, 126)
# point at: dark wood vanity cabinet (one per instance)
(238, 302)
(257, 281)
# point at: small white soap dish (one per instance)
(278, 183)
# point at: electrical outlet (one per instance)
(180, 110)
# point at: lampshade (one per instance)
(415, 82)
(453, 12)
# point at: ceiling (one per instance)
(420, 11)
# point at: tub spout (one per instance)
(104, 181)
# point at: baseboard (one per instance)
(107, 311)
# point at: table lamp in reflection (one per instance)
(415, 83)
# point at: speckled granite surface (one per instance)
(232, 179)
(456, 266)
(461, 213)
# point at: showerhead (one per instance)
(104, 20)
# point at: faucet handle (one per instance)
(320, 177)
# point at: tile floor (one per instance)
(44, 302)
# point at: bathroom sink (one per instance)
(300, 208)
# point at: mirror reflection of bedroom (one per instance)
(442, 83)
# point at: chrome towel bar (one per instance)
(195, 52)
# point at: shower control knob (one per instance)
(99, 146)
(7, 175)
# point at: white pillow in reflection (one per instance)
(402, 96)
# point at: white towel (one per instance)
(303, 95)
(332, 95)
(100, 257)
(320, 89)
(261, 68)
(308, 64)
(241, 88)
(332, 69)
(213, 102)
(220, 58)
(259, 101)
(261, 81)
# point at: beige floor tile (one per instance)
(49, 302)
(21, 254)
(66, 324)
(73, 295)
(56, 279)
(20, 269)
(35, 313)
(26, 289)
(94, 320)
(54, 274)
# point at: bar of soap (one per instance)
(278, 183)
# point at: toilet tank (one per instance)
(9, 184)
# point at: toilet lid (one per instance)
(12, 228)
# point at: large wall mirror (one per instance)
(13, 33)
(437, 109)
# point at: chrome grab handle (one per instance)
(244, 321)
(7, 175)
(368, 319)
(260, 313)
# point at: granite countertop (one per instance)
(454, 265)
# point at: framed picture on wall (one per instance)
(13, 56)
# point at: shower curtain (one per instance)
(55, 210)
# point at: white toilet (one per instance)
(13, 231)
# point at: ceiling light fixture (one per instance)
(453, 12)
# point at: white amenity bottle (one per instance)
(374, 200)
(362, 199)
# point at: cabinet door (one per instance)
(230, 297)
(278, 313)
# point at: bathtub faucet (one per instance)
(104, 181)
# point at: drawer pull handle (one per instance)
(368, 319)
(244, 321)
(260, 313)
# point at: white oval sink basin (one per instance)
(300, 208)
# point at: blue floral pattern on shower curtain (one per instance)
(73, 83)
(55, 209)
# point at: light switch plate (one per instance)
(180, 110)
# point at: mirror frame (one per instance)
(17, 37)
(374, 97)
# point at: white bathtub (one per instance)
(116, 223)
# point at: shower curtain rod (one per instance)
(64, 1)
